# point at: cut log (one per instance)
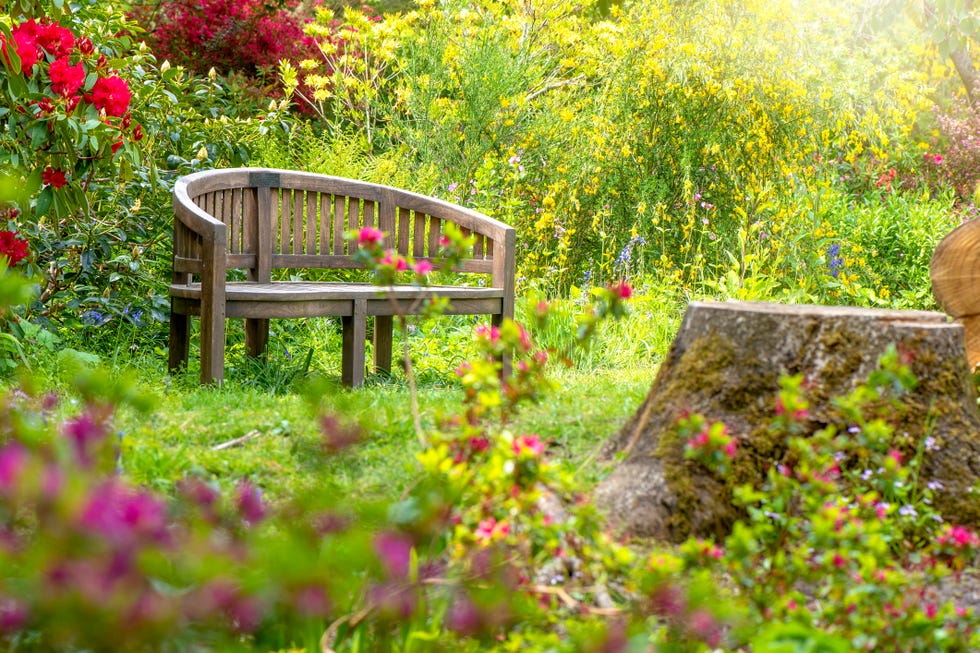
(725, 363)
(955, 274)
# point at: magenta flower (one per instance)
(123, 515)
(368, 237)
(422, 268)
(13, 458)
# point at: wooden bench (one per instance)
(262, 220)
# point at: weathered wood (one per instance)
(353, 336)
(383, 331)
(261, 219)
(725, 363)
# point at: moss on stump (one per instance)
(725, 363)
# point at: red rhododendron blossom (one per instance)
(13, 247)
(55, 39)
(110, 94)
(138, 133)
(54, 178)
(66, 79)
(25, 39)
(116, 144)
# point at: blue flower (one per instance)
(94, 318)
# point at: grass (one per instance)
(281, 447)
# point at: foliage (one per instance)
(842, 538)
(352, 71)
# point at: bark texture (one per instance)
(725, 363)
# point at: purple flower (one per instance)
(395, 552)
(250, 505)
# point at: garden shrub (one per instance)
(249, 36)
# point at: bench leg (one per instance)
(179, 346)
(212, 349)
(256, 336)
(505, 359)
(353, 341)
(383, 326)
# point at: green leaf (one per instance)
(43, 202)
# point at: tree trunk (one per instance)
(725, 363)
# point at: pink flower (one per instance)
(937, 159)
(529, 445)
(487, 332)
(110, 94)
(490, 529)
(931, 610)
(66, 79)
(392, 259)
(444, 241)
(369, 237)
(621, 289)
(895, 455)
(839, 561)
(13, 458)
(422, 268)
(729, 448)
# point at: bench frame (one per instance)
(261, 220)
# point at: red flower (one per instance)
(55, 39)
(116, 144)
(66, 79)
(138, 132)
(54, 178)
(12, 247)
(110, 94)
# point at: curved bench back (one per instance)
(265, 219)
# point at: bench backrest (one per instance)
(265, 219)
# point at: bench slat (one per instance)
(404, 222)
(298, 220)
(250, 226)
(325, 224)
(339, 211)
(435, 233)
(418, 236)
(312, 214)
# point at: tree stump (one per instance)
(725, 363)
